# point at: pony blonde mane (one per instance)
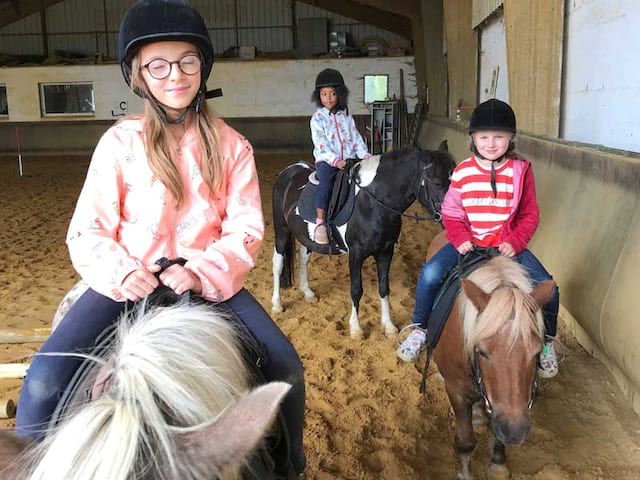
(175, 368)
(509, 286)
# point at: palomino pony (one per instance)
(174, 403)
(386, 186)
(488, 352)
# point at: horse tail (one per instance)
(173, 368)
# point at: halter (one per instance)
(482, 391)
(423, 184)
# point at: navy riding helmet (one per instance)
(493, 114)
(148, 21)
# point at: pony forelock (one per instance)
(510, 305)
(174, 368)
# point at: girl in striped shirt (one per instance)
(491, 202)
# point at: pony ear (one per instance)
(478, 297)
(543, 292)
(237, 431)
(444, 146)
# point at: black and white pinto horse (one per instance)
(386, 186)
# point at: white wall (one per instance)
(269, 88)
(493, 53)
(601, 97)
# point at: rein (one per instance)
(437, 216)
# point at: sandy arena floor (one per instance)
(365, 418)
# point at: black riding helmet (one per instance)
(493, 114)
(148, 21)
(329, 78)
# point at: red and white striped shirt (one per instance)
(486, 214)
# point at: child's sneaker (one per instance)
(320, 234)
(415, 343)
(548, 361)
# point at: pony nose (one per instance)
(511, 432)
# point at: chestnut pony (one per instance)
(488, 352)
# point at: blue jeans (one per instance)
(326, 175)
(436, 269)
(48, 376)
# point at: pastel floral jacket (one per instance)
(125, 217)
(335, 137)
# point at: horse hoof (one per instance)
(498, 472)
(277, 309)
(310, 298)
(356, 334)
(390, 332)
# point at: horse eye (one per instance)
(484, 354)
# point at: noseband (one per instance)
(482, 391)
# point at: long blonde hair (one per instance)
(158, 148)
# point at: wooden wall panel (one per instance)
(534, 32)
(462, 54)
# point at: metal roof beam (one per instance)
(405, 8)
(391, 22)
(13, 10)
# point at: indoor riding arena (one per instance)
(415, 69)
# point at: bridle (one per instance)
(482, 391)
(425, 184)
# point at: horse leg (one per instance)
(465, 439)
(303, 261)
(278, 264)
(498, 469)
(383, 263)
(355, 272)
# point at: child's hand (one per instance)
(180, 279)
(506, 249)
(140, 283)
(465, 248)
(341, 164)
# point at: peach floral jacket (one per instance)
(125, 217)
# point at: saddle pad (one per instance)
(340, 206)
(449, 292)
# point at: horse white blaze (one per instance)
(354, 324)
(278, 265)
(390, 329)
(303, 262)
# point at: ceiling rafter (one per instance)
(391, 22)
(14, 10)
(405, 8)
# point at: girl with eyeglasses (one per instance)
(172, 182)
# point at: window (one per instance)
(4, 105)
(61, 99)
(376, 88)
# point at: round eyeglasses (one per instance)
(160, 68)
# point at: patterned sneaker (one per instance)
(409, 350)
(320, 234)
(548, 361)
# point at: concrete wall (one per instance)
(268, 101)
(262, 88)
(589, 239)
(602, 74)
(274, 133)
